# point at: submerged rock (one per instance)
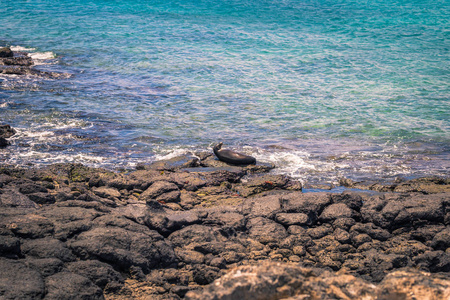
(5, 132)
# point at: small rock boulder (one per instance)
(161, 191)
(266, 231)
(6, 52)
(17, 281)
(65, 285)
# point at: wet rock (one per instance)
(65, 285)
(5, 132)
(259, 183)
(202, 155)
(3, 142)
(216, 176)
(17, 281)
(172, 164)
(6, 52)
(19, 67)
(17, 61)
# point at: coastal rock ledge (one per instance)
(20, 63)
(196, 228)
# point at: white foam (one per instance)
(39, 58)
(68, 123)
(42, 55)
(20, 48)
(168, 154)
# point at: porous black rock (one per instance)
(6, 52)
(68, 285)
(169, 234)
(17, 281)
(6, 131)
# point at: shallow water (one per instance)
(324, 89)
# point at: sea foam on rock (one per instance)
(21, 63)
(214, 232)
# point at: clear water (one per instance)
(322, 88)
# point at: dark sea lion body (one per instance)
(232, 157)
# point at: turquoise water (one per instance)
(322, 88)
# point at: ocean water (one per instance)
(322, 88)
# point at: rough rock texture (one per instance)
(212, 231)
(274, 280)
(19, 63)
(5, 52)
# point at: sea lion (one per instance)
(232, 157)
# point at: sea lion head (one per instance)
(218, 146)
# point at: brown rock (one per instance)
(413, 284)
(161, 191)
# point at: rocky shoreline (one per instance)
(20, 63)
(196, 228)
